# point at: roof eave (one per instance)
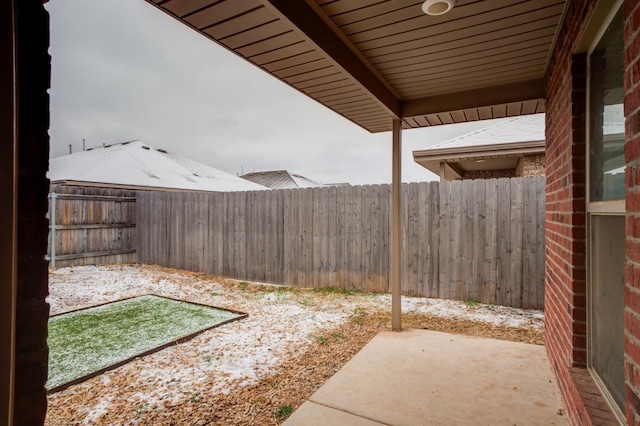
(486, 96)
(514, 148)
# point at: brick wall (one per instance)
(530, 165)
(565, 236)
(489, 174)
(33, 157)
(632, 180)
(565, 275)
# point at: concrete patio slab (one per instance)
(420, 377)
(314, 414)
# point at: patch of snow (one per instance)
(98, 410)
(280, 324)
(492, 314)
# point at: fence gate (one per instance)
(91, 229)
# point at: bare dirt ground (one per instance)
(253, 371)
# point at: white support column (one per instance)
(396, 229)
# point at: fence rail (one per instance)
(91, 226)
(480, 239)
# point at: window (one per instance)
(605, 212)
(606, 115)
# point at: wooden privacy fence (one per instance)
(480, 239)
(91, 226)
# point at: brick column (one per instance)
(565, 252)
(632, 183)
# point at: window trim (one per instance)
(597, 208)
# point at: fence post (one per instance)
(52, 227)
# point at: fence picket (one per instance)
(96, 226)
(480, 239)
(444, 266)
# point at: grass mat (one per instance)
(91, 340)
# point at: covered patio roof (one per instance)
(387, 66)
(373, 61)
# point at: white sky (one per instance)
(123, 70)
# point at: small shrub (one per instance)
(472, 302)
(284, 411)
(359, 316)
(141, 409)
(359, 311)
(320, 339)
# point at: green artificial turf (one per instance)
(83, 342)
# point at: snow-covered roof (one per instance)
(498, 146)
(137, 164)
(524, 128)
(281, 179)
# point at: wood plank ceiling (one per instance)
(374, 60)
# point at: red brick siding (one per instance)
(565, 252)
(565, 274)
(33, 154)
(632, 179)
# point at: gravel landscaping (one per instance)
(254, 370)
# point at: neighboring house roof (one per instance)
(497, 146)
(281, 179)
(136, 164)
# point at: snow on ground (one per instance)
(493, 314)
(279, 325)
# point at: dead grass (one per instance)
(296, 380)
(268, 401)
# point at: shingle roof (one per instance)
(526, 128)
(137, 164)
(281, 179)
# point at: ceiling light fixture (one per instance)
(437, 7)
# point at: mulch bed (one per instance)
(296, 380)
